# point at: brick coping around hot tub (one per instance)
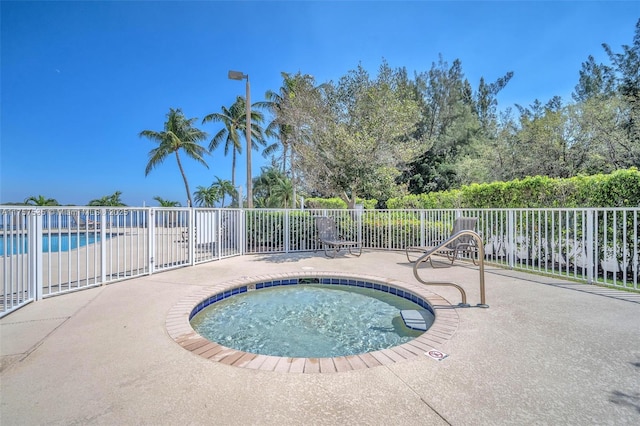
(179, 328)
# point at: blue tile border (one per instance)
(385, 288)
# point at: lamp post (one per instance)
(237, 75)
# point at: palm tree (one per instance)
(224, 187)
(234, 120)
(40, 200)
(282, 192)
(167, 203)
(112, 200)
(288, 107)
(273, 188)
(275, 102)
(207, 196)
(178, 134)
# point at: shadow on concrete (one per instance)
(631, 400)
(625, 399)
(284, 258)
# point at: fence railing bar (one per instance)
(591, 245)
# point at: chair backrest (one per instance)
(461, 224)
(326, 228)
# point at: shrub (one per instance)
(618, 189)
(336, 203)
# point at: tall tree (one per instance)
(626, 69)
(292, 107)
(545, 146)
(448, 126)
(276, 103)
(178, 135)
(596, 81)
(234, 120)
(499, 158)
(362, 131)
(486, 103)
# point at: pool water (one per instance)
(50, 242)
(307, 321)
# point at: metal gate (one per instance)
(17, 258)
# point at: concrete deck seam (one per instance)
(424, 401)
(40, 342)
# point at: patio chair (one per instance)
(328, 237)
(89, 224)
(462, 244)
(84, 222)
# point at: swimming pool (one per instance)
(17, 244)
(179, 327)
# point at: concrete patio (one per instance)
(547, 351)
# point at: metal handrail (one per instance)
(480, 247)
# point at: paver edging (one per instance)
(179, 329)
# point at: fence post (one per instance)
(103, 245)
(287, 230)
(511, 232)
(192, 231)
(151, 237)
(590, 235)
(423, 228)
(360, 212)
(217, 232)
(243, 231)
(35, 253)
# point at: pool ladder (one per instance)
(480, 253)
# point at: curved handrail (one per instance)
(480, 247)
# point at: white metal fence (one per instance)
(47, 251)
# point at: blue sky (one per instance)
(80, 80)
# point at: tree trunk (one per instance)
(293, 181)
(184, 177)
(350, 200)
(234, 196)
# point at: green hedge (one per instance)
(336, 203)
(618, 189)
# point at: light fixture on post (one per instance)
(237, 75)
